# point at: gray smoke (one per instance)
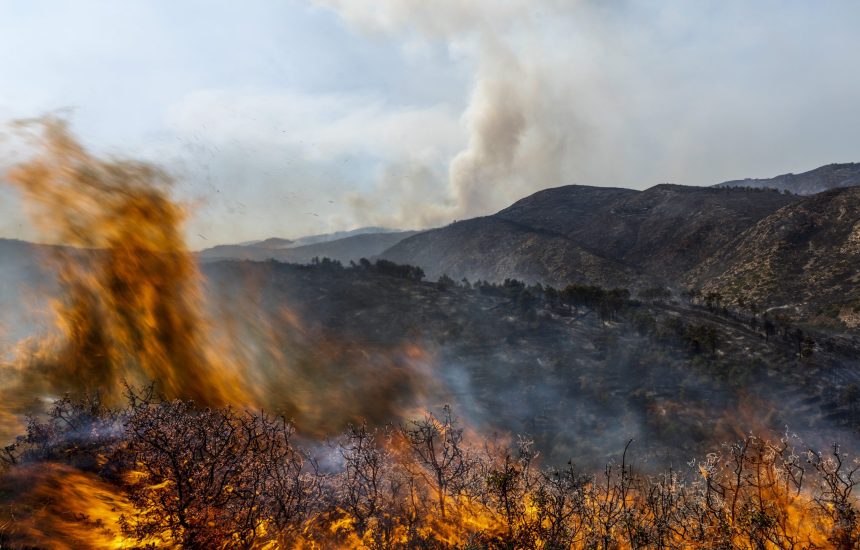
(520, 135)
(623, 93)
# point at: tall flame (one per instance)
(131, 309)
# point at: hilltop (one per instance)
(821, 179)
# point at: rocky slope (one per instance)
(662, 231)
(493, 248)
(803, 259)
(604, 236)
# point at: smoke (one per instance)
(131, 308)
(522, 133)
(409, 195)
(509, 147)
(625, 94)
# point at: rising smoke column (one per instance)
(522, 122)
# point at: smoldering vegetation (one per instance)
(348, 360)
(580, 369)
(168, 473)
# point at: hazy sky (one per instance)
(282, 118)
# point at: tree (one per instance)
(438, 445)
(445, 282)
(204, 476)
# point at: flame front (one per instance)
(62, 508)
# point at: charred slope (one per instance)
(494, 248)
(803, 259)
(814, 181)
(605, 236)
(675, 377)
(663, 231)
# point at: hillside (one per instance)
(605, 236)
(493, 248)
(814, 181)
(344, 249)
(662, 231)
(803, 259)
(672, 375)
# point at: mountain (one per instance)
(662, 231)
(274, 243)
(278, 243)
(326, 237)
(803, 259)
(352, 246)
(598, 235)
(808, 183)
(493, 248)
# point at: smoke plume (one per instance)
(521, 132)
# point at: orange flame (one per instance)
(131, 309)
(61, 508)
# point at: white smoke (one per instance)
(522, 132)
(625, 93)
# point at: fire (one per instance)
(191, 477)
(61, 508)
(131, 308)
(201, 466)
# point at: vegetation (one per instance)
(205, 478)
(221, 477)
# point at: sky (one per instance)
(287, 118)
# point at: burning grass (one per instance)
(167, 473)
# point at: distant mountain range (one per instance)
(278, 242)
(345, 246)
(815, 181)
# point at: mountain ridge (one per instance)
(344, 249)
(813, 181)
(652, 235)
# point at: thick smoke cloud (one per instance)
(512, 139)
(617, 93)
